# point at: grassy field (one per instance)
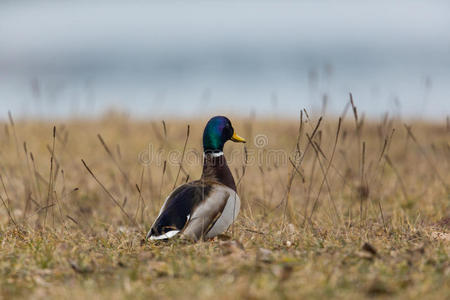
(345, 210)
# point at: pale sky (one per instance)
(243, 53)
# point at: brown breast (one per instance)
(215, 168)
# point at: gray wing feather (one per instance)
(206, 214)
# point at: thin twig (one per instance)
(7, 208)
(49, 193)
(109, 194)
(326, 173)
(116, 163)
(402, 185)
(422, 151)
(182, 155)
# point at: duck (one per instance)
(204, 208)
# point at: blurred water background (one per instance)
(185, 59)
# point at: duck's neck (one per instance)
(215, 168)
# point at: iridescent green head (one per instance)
(217, 132)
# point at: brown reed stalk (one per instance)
(335, 169)
(30, 176)
(164, 129)
(139, 205)
(292, 172)
(297, 170)
(244, 168)
(49, 193)
(13, 126)
(6, 203)
(58, 205)
(373, 179)
(56, 162)
(399, 177)
(36, 178)
(111, 155)
(109, 194)
(427, 158)
(158, 135)
(309, 190)
(182, 155)
(325, 173)
(140, 200)
(382, 216)
(316, 128)
(363, 188)
(162, 179)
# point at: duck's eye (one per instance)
(228, 130)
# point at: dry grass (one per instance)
(370, 218)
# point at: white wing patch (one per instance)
(167, 235)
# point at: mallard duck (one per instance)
(204, 208)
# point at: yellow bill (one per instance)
(236, 138)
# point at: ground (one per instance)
(351, 209)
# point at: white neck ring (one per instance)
(213, 154)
